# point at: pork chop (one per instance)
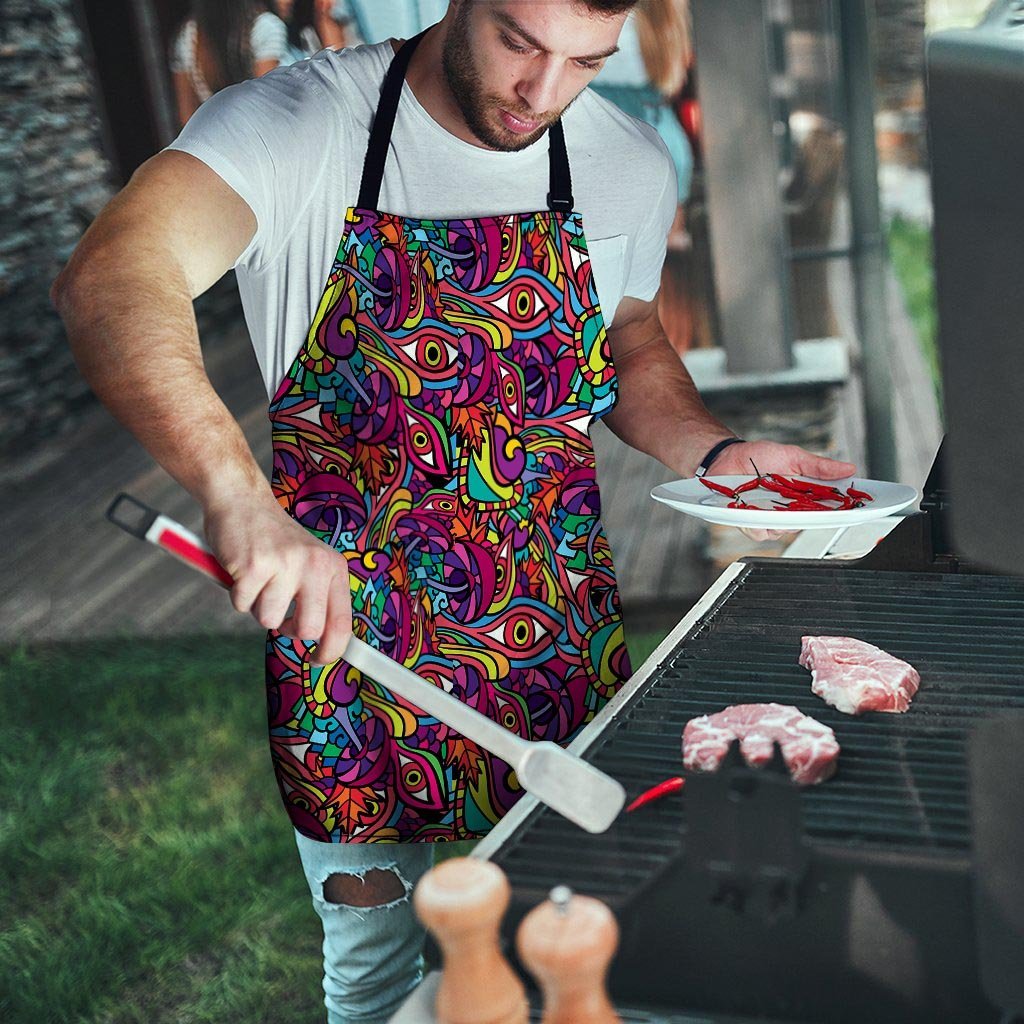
(809, 748)
(855, 677)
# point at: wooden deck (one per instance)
(70, 574)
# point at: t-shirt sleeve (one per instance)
(649, 249)
(269, 38)
(269, 139)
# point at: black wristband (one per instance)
(705, 463)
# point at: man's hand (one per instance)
(771, 457)
(274, 561)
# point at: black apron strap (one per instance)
(560, 198)
(383, 123)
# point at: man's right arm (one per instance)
(126, 301)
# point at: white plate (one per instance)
(693, 498)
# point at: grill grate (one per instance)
(902, 779)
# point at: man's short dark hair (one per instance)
(609, 6)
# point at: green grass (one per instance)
(641, 646)
(148, 870)
(910, 248)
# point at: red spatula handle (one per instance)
(147, 524)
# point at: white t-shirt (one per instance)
(292, 144)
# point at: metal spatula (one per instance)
(568, 785)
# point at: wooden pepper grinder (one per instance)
(567, 943)
(462, 902)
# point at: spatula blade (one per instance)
(572, 787)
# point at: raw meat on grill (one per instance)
(855, 677)
(809, 748)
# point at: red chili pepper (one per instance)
(793, 485)
(808, 505)
(749, 485)
(863, 495)
(657, 792)
(720, 488)
(809, 487)
(788, 492)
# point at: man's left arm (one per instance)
(660, 412)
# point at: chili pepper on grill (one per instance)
(657, 792)
(720, 488)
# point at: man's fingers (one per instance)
(270, 608)
(337, 625)
(306, 621)
(819, 468)
(244, 593)
(763, 535)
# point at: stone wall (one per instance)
(54, 178)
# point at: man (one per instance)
(431, 389)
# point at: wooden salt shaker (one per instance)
(567, 943)
(462, 902)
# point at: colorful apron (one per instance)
(434, 428)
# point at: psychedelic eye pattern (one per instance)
(434, 430)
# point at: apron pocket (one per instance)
(608, 261)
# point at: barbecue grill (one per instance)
(893, 892)
(745, 895)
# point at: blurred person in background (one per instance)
(223, 42)
(646, 79)
(313, 25)
(647, 75)
(375, 20)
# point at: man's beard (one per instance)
(464, 82)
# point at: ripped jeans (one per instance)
(373, 944)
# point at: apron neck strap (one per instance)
(560, 195)
(560, 198)
(383, 123)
